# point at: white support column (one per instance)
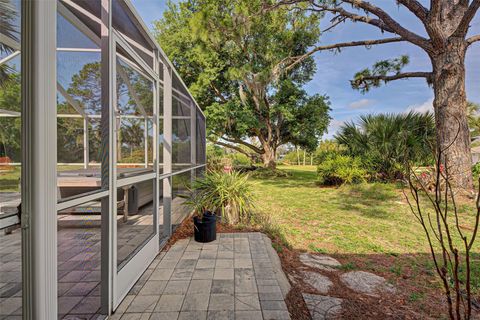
(155, 141)
(167, 148)
(108, 264)
(86, 145)
(39, 156)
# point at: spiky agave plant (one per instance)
(227, 194)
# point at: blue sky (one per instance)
(335, 70)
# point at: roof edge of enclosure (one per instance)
(147, 33)
(128, 24)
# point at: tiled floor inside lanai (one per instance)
(238, 276)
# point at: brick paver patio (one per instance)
(238, 276)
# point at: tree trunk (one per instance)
(268, 157)
(450, 104)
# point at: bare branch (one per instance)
(352, 16)
(416, 8)
(384, 23)
(467, 18)
(392, 24)
(364, 82)
(289, 63)
(473, 39)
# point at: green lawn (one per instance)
(368, 226)
(10, 179)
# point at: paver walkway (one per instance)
(238, 276)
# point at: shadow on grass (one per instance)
(297, 178)
(372, 200)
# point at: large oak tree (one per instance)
(232, 55)
(446, 24)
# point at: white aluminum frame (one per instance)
(39, 174)
(39, 155)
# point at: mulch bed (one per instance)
(355, 306)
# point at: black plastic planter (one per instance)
(205, 228)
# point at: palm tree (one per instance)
(386, 141)
(473, 119)
(8, 16)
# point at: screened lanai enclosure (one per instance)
(99, 142)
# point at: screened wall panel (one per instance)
(135, 111)
(135, 220)
(137, 136)
(201, 147)
(180, 188)
(79, 111)
(11, 118)
(79, 260)
(181, 144)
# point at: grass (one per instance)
(369, 225)
(359, 219)
(10, 178)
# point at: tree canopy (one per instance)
(236, 59)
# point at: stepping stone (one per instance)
(320, 282)
(366, 283)
(323, 307)
(319, 261)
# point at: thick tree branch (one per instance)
(393, 24)
(473, 39)
(385, 21)
(352, 16)
(246, 144)
(363, 83)
(435, 8)
(467, 18)
(416, 8)
(289, 63)
(233, 147)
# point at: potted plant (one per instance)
(219, 194)
(205, 227)
(204, 217)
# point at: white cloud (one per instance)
(333, 127)
(362, 103)
(422, 108)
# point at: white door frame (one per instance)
(125, 277)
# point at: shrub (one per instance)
(341, 169)
(227, 194)
(327, 149)
(265, 173)
(214, 158)
(239, 159)
(476, 169)
(386, 142)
